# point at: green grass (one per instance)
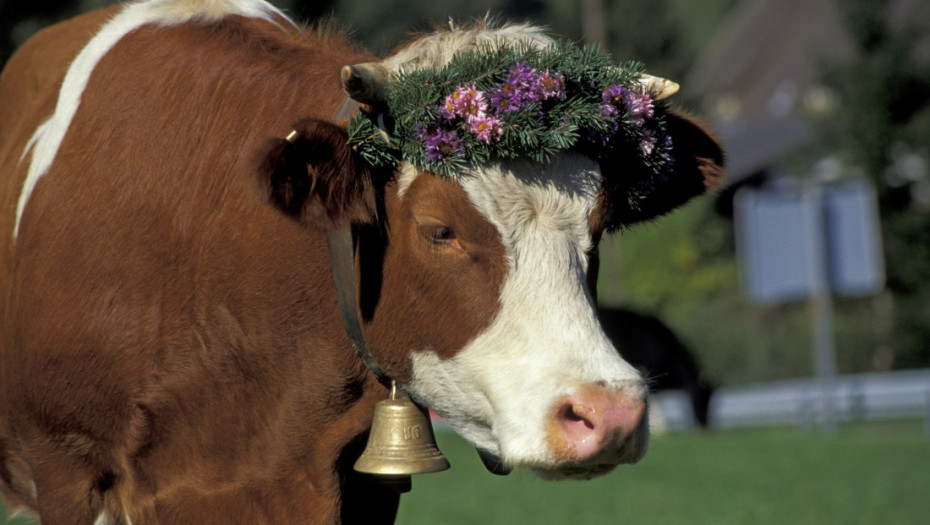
(869, 474)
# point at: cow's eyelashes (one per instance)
(441, 234)
(437, 233)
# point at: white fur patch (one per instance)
(104, 519)
(499, 390)
(47, 138)
(23, 512)
(436, 50)
(405, 176)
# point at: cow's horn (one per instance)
(368, 83)
(660, 88)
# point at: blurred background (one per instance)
(816, 390)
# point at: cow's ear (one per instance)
(697, 166)
(313, 176)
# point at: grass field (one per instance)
(868, 474)
(877, 473)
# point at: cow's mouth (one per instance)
(494, 463)
(577, 473)
(588, 469)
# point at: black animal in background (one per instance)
(651, 346)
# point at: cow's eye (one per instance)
(439, 235)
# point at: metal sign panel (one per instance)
(774, 232)
(772, 244)
(855, 252)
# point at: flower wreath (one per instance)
(516, 102)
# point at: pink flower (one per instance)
(466, 102)
(487, 128)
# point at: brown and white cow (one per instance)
(170, 346)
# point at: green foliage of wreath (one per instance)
(514, 102)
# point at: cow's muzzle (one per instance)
(598, 427)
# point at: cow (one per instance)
(171, 347)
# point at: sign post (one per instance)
(821, 301)
(809, 242)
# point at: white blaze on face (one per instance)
(500, 391)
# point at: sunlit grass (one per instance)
(867, 474)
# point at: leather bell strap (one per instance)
(342, 259)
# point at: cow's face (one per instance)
(473, 290)
(485, 305)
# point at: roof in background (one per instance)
(766, 49)
(757, 71)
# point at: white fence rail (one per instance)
(797, 402)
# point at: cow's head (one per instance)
(474, 285)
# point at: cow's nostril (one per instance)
(575, 414)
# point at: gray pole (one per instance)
(821, 301)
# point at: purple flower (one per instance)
(506, 98)
(525, 85)
(523, 77)
(439, 144)
(665, 143)
(608, 110)
(613, 95)
(639, 106)
(648, 142)
(552, 86)
(657, 142)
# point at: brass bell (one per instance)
(401, 441)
